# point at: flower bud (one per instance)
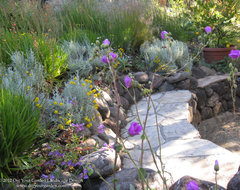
(229, 79)
(230, 65)
(235, 70)
(97, 42)
(216, 166)
(234, 86)
(118, 147)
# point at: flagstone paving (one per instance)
(182, 149)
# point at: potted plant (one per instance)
(218, 18)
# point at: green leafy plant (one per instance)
(219, 15)
(19, 129)
(51, 55)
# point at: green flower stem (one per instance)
(118, 128)
(216, 181)
(101, 177)
(129, 155)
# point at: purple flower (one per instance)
(50, 154)
(234, 54)
(78, 163)
(71, 101)
(128, 81)
(44, 176)
(216, 166)
(192, 185)
(106, 42)
(57, 153)
(50, 163)
(104, 59)
(52, 176)
(163, 34)
(81, 175)
(79, 126)
(134, 129)
(108, 147)
(48, 147)
(100, 128)
(208, 29)
(63, 163)
(111, 59)
(69, 163)
(113, 56)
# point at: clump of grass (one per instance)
(121, 24)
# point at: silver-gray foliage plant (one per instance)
(72, 104)
(178, 57)
(24, 74)
(81, 57)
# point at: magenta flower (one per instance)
(208, 29)
(106, 42)
(234, 54)
(163, 34)
(128, 81)
(113, 56)
(100, 128)
(111, 59)
(134, 129)
(192, 185)
(104, 59)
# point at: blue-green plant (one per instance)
(24, 75)
(74, 105)
(168, 56)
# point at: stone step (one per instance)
(183, 152)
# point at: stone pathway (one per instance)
(183, 151)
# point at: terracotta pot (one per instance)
(216, 54)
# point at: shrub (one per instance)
(73, 105)
(19, 124)
(24, 76)
(157, 54)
